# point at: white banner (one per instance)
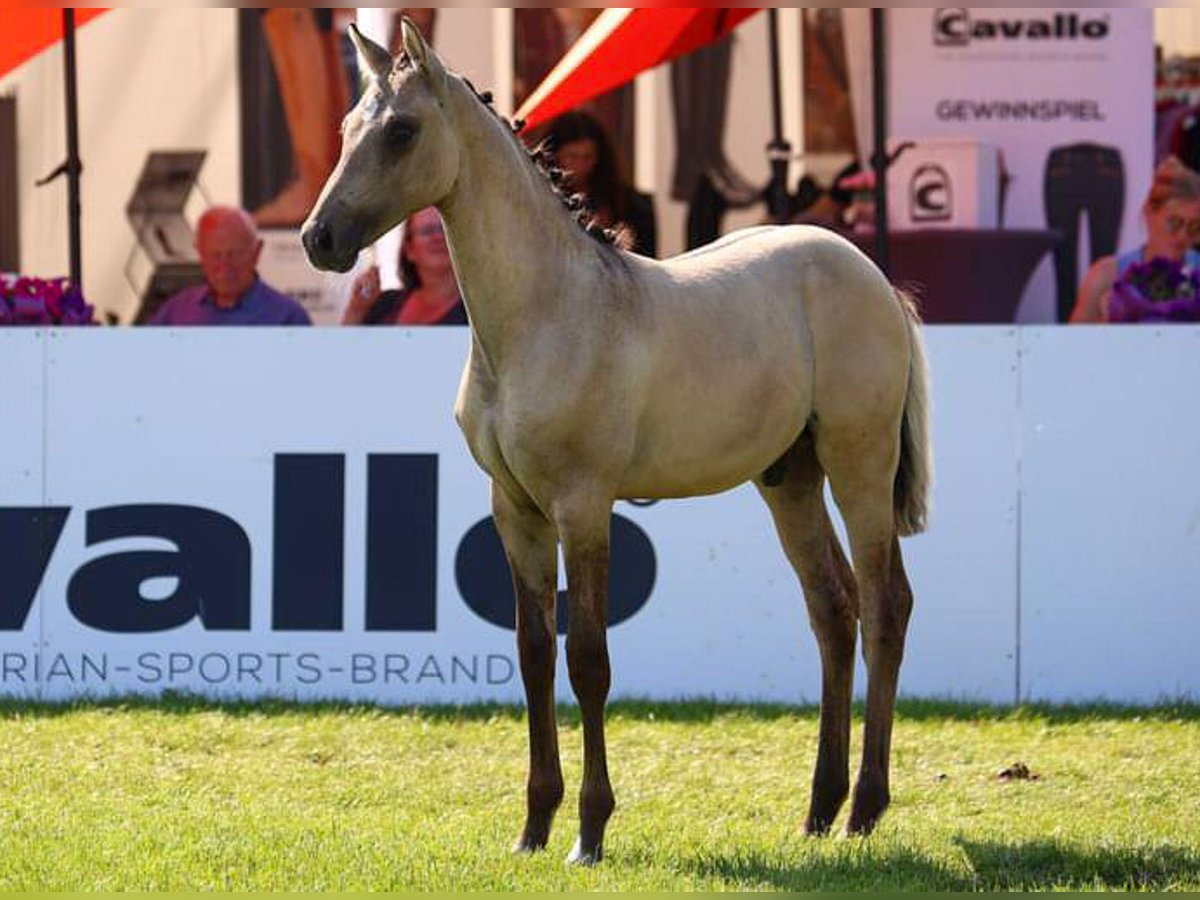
(1068, 97)
(293, 513)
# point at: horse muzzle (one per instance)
(329, 248)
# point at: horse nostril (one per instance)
(318, 240)
(324, 238)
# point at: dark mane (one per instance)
(543, 160)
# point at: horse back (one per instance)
(745, 341)
(769, 290)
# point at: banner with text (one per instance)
(1066, 95)
(293, 513)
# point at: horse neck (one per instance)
(514, 244)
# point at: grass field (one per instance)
(186, 796)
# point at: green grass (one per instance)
(182, 795)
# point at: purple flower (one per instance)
(1160, 290)
(29, 310)
(52, 294)
(33, 301)
(81, 316)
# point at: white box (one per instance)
(938, 183)
(285, 267)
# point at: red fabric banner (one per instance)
(621, 44)
(26, 32)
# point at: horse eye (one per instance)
(399, 133)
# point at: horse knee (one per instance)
(587, 663)
(535, 631)
(537, 653)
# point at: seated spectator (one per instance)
(583, 149)
(429, 293)
(232, 294)
(1172, 216)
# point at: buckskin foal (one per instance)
(777, 355)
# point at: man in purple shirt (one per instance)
(233, 294)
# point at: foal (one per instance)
(777, 355)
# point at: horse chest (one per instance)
(480, 416)
(517, 444)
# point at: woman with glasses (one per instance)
(428, 294)
(1172, 216)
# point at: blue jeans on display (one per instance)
(1083, 179)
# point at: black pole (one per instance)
(879, 160)
(74, 166)
(779, 151)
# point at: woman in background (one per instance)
(1172, 217)
(583, 149)
(429, 293)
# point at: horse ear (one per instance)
(372, 58)
(414, 45)
(422, 57)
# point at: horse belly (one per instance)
(708, 440)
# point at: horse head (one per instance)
(400, 152)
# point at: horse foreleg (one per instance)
(802, 521)
(885, 606)
(532, 549)
(585, 538)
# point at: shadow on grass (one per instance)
(890, 870)
(1034, 866)
(1040, 865)
(699, 712)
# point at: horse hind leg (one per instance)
(795, 495)
(531, 546)
(862, 475)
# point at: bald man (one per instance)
(233, 294)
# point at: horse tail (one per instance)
(914, 478)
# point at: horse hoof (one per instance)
(527, 846)
(817, 827)
(860, 829)
(585, 859)
(871, 798)
(864, 817)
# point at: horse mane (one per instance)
(543, 161)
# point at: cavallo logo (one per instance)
(931, 195)
(210, 564)
(961, 27)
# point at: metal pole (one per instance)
(879, 161)
(779, 151)
(74, 166)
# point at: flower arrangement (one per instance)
(1161, 290)
(38, 302)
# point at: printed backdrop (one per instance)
(1068, 97)
(296, 514)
